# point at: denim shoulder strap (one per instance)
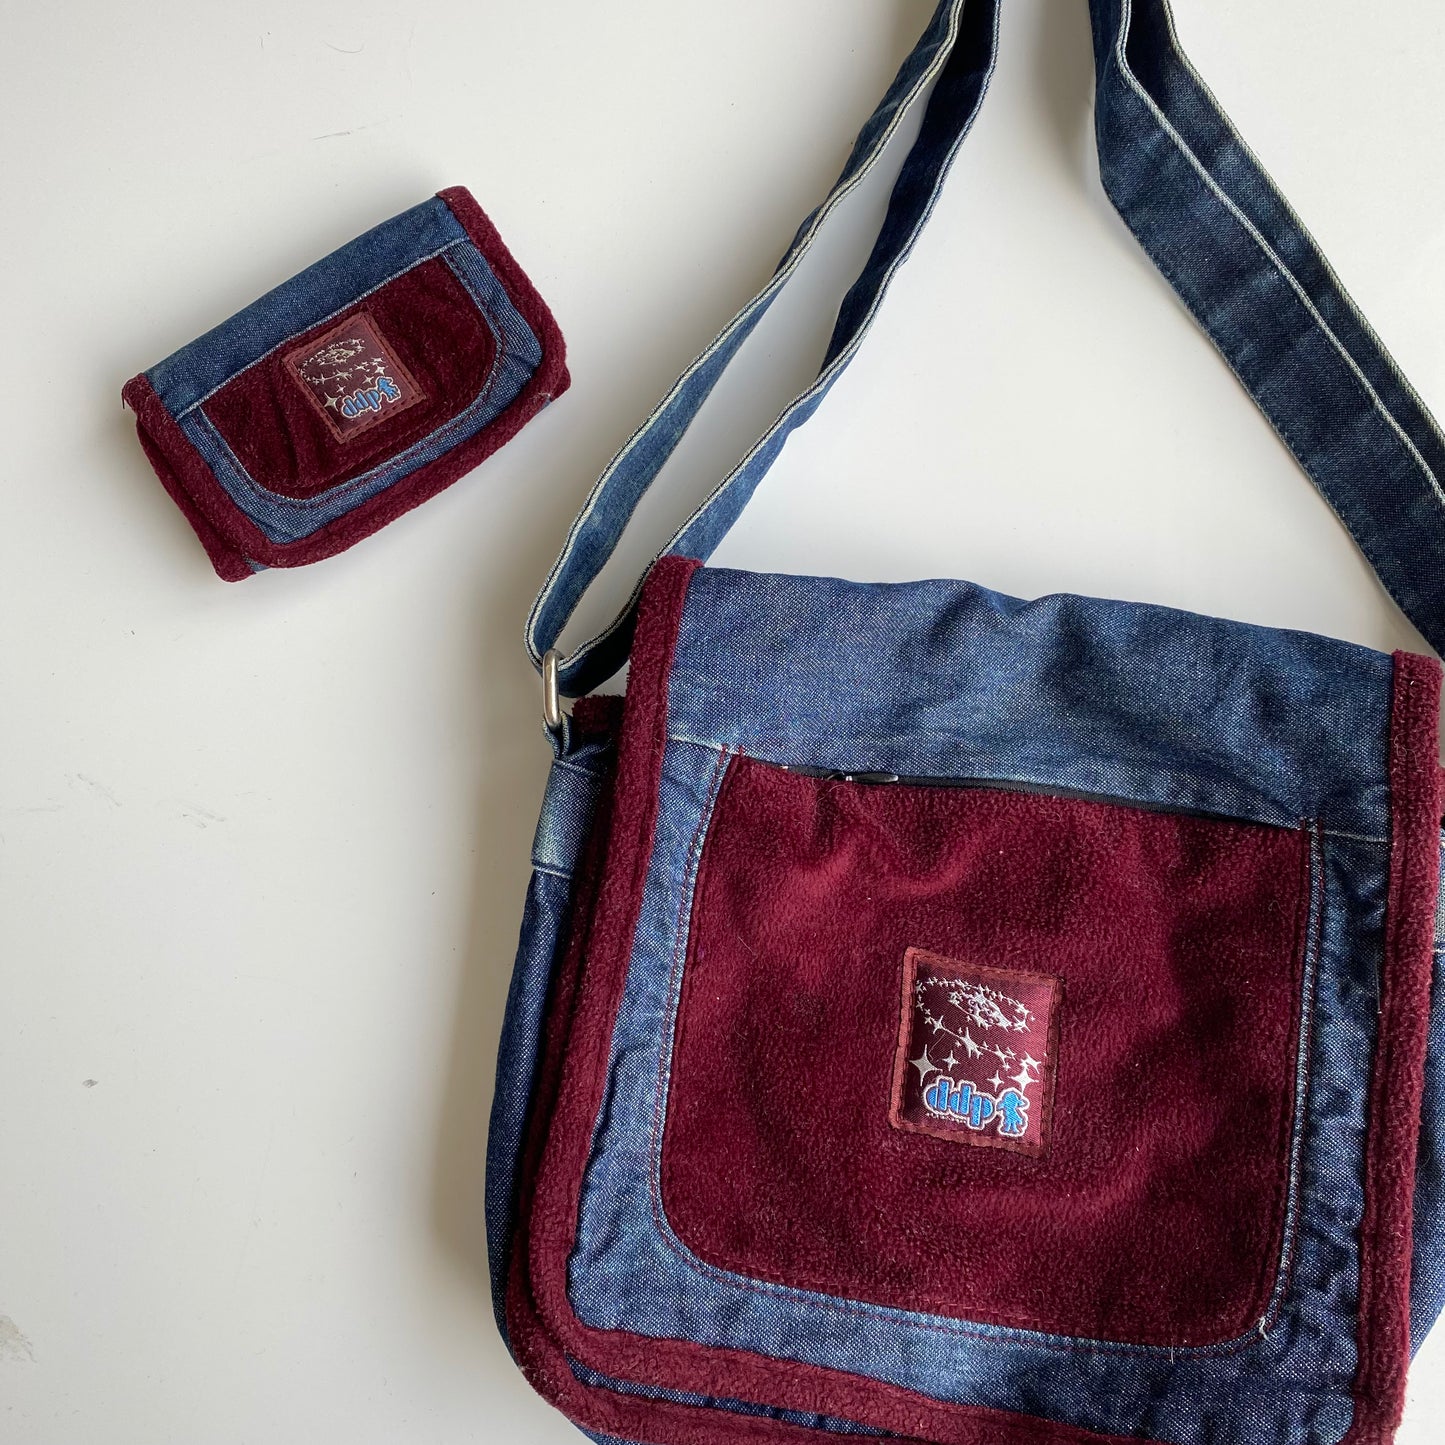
(1207, 215)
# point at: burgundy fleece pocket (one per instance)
(881, 977)
(358, 389)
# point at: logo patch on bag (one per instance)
(353, 377)
(977, 1053)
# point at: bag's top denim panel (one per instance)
(947, 679)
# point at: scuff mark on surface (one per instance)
(96, 787)
(197, 815)
(13, 1344)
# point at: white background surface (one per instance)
(263, 847)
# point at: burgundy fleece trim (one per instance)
(612, 918)
(230, 565)
(1399, 1073)
(543, 1327)
(629, 850)
(231, 538)
(541, 1358)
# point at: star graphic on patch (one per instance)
(962, 1020)
(924, 1065)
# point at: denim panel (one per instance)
(1216, 227)
(574, 786)
(946, 678)
(1427, 1269)
(287, 519)
(569, 805)
(523, 351)
(335, 282)
(1167, 75)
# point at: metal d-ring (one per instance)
(552, 713)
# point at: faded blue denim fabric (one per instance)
(1137, 703)
(573, 788)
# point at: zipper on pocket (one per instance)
(881, 778)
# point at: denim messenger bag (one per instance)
(947, 1018)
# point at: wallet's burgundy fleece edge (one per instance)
(233, 541)
(1398, 1081)
(545, 1331)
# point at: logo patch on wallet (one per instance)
(353, 377)
(977, 1053)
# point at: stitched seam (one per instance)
(1323, 261)
(410, 266)
(1281, 429)
(572, 767)
(692, 880)
(1281, 1258)
(1314, 948)
(997, 1333)
(1269, 253)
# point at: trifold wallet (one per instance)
(352, 392)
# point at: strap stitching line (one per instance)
(794, 259)
(1269, 252)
